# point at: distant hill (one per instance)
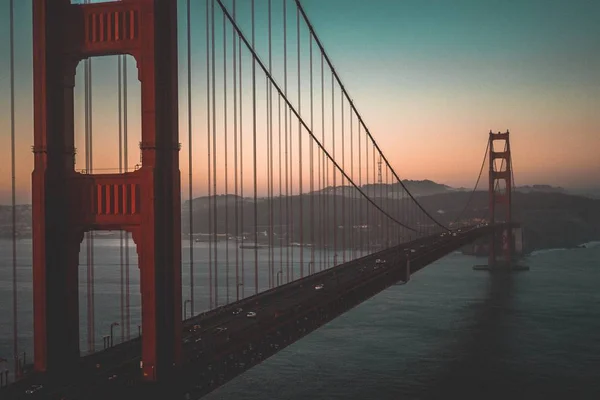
(415, 187)
(591, 192)
(551, 217)
(540, 189)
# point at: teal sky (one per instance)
(430, 78)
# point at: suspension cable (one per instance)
(13, 169)
(121, 242)
(214, 153)
(126, 169)
(190, 158)
(225, 134)
(270, 158)
(342, 87)
(485, 154)
(297, 115)
(255, 180)
(300, 194)
(235, 156)
(208, 148)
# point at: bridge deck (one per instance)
(211, 353)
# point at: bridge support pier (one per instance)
(406, 271)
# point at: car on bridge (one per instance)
(33, 389)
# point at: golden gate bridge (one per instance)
(291, 212)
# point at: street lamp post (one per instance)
(111, 332)
(238, 290)
(185, 308)
(139, 331)
(278, 274)
(311, 263)
(106, 341)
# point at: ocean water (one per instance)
(451, 332)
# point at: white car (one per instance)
(380, 261)
(33, 388)
(251, 314)
(319, 287)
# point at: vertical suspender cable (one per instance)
(126, 168)
(353, 210)
(92, 233)
(334, 171)
(287, 193)
(87, 164)
(291, 171)
(235, 159)
(190, 158)
(374, 192)
(270, 160)
(243, 282)
(121, 242)
(360, 208)
(89, 240)
(208, 131)
(280, 201)
(214, 153)
(368, 209)
(13, 169)
(226, 159)
(255, 156)
(311, 157)
(344, 221)
(300, 195)
(325, 180)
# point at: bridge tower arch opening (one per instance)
(500, 198)
(67, 203)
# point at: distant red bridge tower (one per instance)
(66, 203)
(500, 197)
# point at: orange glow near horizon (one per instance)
(429, 100)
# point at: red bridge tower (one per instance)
(66, 203)
(500, 197)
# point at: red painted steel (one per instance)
(66, 203)
(498, 200)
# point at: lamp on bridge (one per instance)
(105, 341)
(280, 272)
(185, 303)
(111, 332)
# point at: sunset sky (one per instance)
(430, 78)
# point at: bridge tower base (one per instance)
(66, 203)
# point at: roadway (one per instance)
(221, 330)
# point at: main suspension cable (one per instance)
(485, 154)
(342, 87)
(297, 115)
